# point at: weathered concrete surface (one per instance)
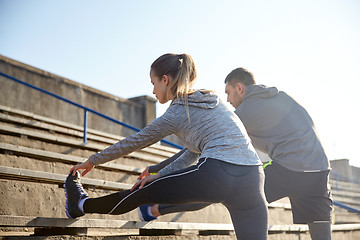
(351, 235)
(137, 112)
(342, 170)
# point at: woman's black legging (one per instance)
(239, 188)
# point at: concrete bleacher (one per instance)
(36, 154)
(41, 138)
(346, 193)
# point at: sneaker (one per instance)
(74, 192)
(145, 213)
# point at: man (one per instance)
(280, 127)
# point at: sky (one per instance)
(307, 48)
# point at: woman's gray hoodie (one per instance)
(280, 127)
(212, 130)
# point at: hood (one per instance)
(201, 99)
(260, 91)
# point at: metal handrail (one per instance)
(86, 110)
(336, 177)
(347, 207)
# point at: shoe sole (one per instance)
(140, 214)
(66, 204)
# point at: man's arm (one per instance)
(159, 166)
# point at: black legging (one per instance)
(239, 188)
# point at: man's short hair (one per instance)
(240, 75)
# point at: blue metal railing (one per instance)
(347, 207)
(336, 177)
(86, 110)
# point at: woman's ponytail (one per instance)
(185, 77)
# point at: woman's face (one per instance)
(160, 87)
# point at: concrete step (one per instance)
(33, 159)
(50, 146)
(58, 157)
(50, 138)
(343, 216)
(37, 153)
(41, 182)
(55, 178)
(225, 231)
(343, 185)
(32, 120)
(346, 193)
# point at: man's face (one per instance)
(235, 94)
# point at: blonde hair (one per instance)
(181, 68)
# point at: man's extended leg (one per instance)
(310, 203)
(320, 230)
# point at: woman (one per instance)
(228, 170)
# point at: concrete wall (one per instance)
(343, 171)
(137, 112)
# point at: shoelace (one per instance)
(80, 189)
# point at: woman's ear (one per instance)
(165, 79)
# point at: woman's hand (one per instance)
(145, 180)
(87, 165)
(145, 173)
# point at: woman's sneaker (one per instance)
(145, 213)
(74, 192)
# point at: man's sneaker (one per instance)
(145, 213)
(74, 192)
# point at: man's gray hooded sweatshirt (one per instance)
(211, 130)
(280, 127)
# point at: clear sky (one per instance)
(308, 48)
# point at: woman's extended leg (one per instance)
(190, 185)
(174, 208)
(239, 188)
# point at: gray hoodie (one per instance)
(280, 127)
(212, 130)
